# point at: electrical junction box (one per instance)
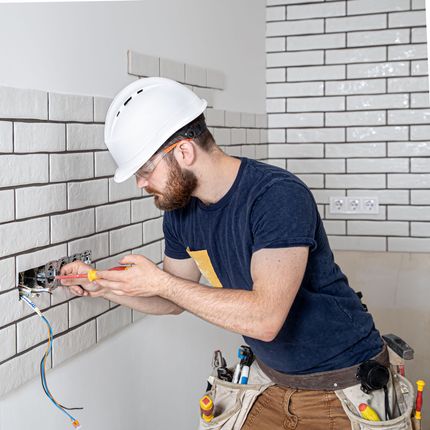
(41, 279)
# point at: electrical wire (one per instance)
(48, 351)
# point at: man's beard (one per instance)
(180, 186)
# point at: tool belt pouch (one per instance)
(232, 402)
(401, 394)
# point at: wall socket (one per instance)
(354, 205)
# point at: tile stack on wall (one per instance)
(348, 108)
(57, 198)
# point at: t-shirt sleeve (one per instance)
(284, 216)
(173, 247)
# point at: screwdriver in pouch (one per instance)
(91, 275)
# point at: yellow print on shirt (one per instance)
(205, 266)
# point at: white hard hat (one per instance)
(143, 116)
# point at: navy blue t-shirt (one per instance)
(268, 207)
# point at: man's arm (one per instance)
(277, 275)
(185, 269)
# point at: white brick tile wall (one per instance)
(316, 135)
(73, 342)
(335, 227)
(408, 149)
(353, 23)
(83, 308)
(172, 69)
(369, 134)
(378, 228)
(125, 238)
(101, 106)
(35, 201)
(151, 251)
(420, 229)
(232, 119)
(312, 180)
(39, 258)
(409, 117)
(98, 244)
(247, 119)
(206, 94)
(382, 37)
(407, 52)
(406, 19)
(144, 209)
(276, 105)
(386, 101)
(152, 230)
(384, 196)
(356, 181)
(7, 342)
(23, 169)
(274, 44)
(406, 244)
(373, 86)
(296, 120)
(22, 103)
(83, 137)
(377, 165)
(7, 274)
(420, 197)
(420, 132)
(340, 119)
(420, 100)
(110, 322)
(357, 243)
(316, 73)
(111, 216)
(323, 196)
(295, 90)
(355, 55)
(275, 13)
(419, 35)
(195, 75)
(6, 141)
(326, 10)
(362, 7)
(275, 136)
(215, 117)
(401, 85)
(275, 75)
(21, 369)
(419, 68)
(32, 331)
(87, 193)
(409, 181)
(315, 104)
(351, 150)
(295, 27)
(215, 79)
(409, 213)
(67, 107)
(378, 70)
(252, 136)
(305, 43)
(107, 263)
(302, 150)
(68, 167)
(19, 236)
(104, 164)
(124, 190)
(7, 205)
(222, 136)
(316, 166)
(294, 58)
(39, 137)
(71, 225)
(418, 4)
(248, 151)
(261, 152)
(143, 65)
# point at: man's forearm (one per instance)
(240, 311)
(148, 305)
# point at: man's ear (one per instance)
(186, 153)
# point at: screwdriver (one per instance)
(91, 275)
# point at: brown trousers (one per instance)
(282, 408)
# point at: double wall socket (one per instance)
(354, 205)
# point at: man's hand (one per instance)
(81, 286)
(143, 279)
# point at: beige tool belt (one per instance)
(401, 395)
(234, 401)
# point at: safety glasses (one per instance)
(148, 168)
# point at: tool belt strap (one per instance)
(332, 380)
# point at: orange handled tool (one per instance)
(91, 275)
(207, 408)
(419, 403)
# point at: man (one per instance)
(254, 231)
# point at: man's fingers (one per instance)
(131, 259)
(78, 291)
(111, 285)
(112, 275)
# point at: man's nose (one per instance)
(141, 182)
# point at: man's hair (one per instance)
(196, 130)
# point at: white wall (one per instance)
(81, 48)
